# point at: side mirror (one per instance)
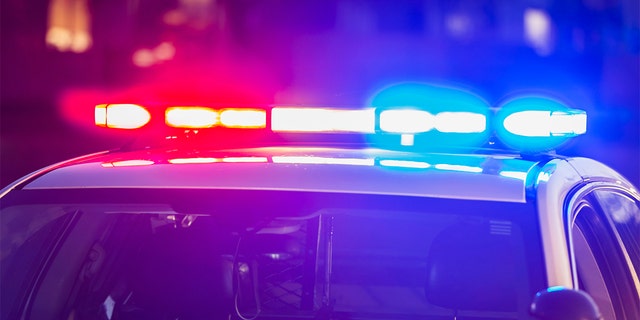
(559, 303)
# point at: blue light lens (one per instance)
(543, 123)
(537, 124)
(406, 121)
(426, 116)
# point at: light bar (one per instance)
(460, 122)
(290, 119)
(410, 121)
(191, 117)
(243, 118)
(121, 116)
(543, 123)
(406, 121)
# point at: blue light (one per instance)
(406, 121)
(430, 117)
(542, 123)
(537, 124)
(556, 288)
(461, 122)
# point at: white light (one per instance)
(407, 139)
(536, 123)
(245, 159)
(563, 123)
(406, 121)
(192, 160)
(323, 160)
(455, 167)
(514, 174)
(121, 116)
(460, 122)
(243, 118)
(537, 30)
(544, 177)
(191, 117)
(322, 120)
(405, 164)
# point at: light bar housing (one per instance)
(526, 124)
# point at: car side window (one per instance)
(601, 266)
(624, 213)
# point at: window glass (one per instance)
(27, 236)
(590, 276)
(625, 215)
(211, 254)
(602, 270)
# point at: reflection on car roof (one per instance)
(366, 171)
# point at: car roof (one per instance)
(318, 169)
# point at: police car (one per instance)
(408, 209)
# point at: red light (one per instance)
(191, 117)
(121, 116)
(243, 118)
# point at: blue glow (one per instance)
(405, 164)
(537, 124)
(438, 117)
(418, 121)
(461, 122)
(406, 121)
(556, 288)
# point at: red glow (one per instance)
(227, 81)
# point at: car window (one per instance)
(28, 235)
(285, 254)
(600, 264)
(625, 215)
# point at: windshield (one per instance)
(218, 254)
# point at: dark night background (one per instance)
(584, 52)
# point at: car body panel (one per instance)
(370, 171)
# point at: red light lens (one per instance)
(191, 117)
(121, 116)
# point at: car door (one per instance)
(604, 232)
